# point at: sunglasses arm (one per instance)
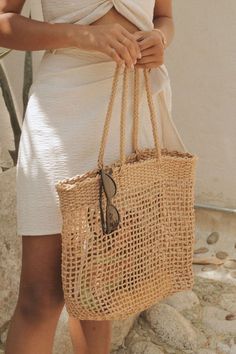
(100, 205)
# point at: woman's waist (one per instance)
(84, 56)
(113, 16)
(71, 65)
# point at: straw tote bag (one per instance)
(146, 251)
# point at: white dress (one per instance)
(64, 119)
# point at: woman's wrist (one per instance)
(163, 37)
(71, 35)
(76, 34)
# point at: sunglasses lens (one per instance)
(109, 185)
(112, 215)
(112, 218)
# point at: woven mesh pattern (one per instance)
(112, 276)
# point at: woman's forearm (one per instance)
(166, 24)
(22, 33)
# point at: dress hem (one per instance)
(42, 233)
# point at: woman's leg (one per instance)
(77, 336)
(97, 334)
(40, 299)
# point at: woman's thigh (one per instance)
(40, 280)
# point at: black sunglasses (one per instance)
(108, 184)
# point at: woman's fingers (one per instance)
(131, 48)
(131, 37)
(114, 40)
(150, 51)
(156, 57)
(146, 43)
(124, 53)
(127, 47)
(139, 35)
(114, 55)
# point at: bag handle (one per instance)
(123, 114)
(151, 109)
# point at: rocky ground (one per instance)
(203, 320)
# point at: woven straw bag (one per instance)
(149, 256)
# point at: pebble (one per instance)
(221, 255)
(208, 260)
(230, 317)
(201, 250)
(230, 264)
(209, 268)
(214, 318)
(213, 238)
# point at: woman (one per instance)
(61, 133)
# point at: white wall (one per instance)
(202, 66)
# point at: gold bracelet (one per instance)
(163, 37)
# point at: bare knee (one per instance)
(38, 302)
(40, 293)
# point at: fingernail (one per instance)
(140, 56)
(132, 66)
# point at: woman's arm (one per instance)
(151, 42)
(163, 19)
(22, 33)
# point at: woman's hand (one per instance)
(152, 49)
(113, 40)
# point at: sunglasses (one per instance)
(108, 185)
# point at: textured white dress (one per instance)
(64, 119)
